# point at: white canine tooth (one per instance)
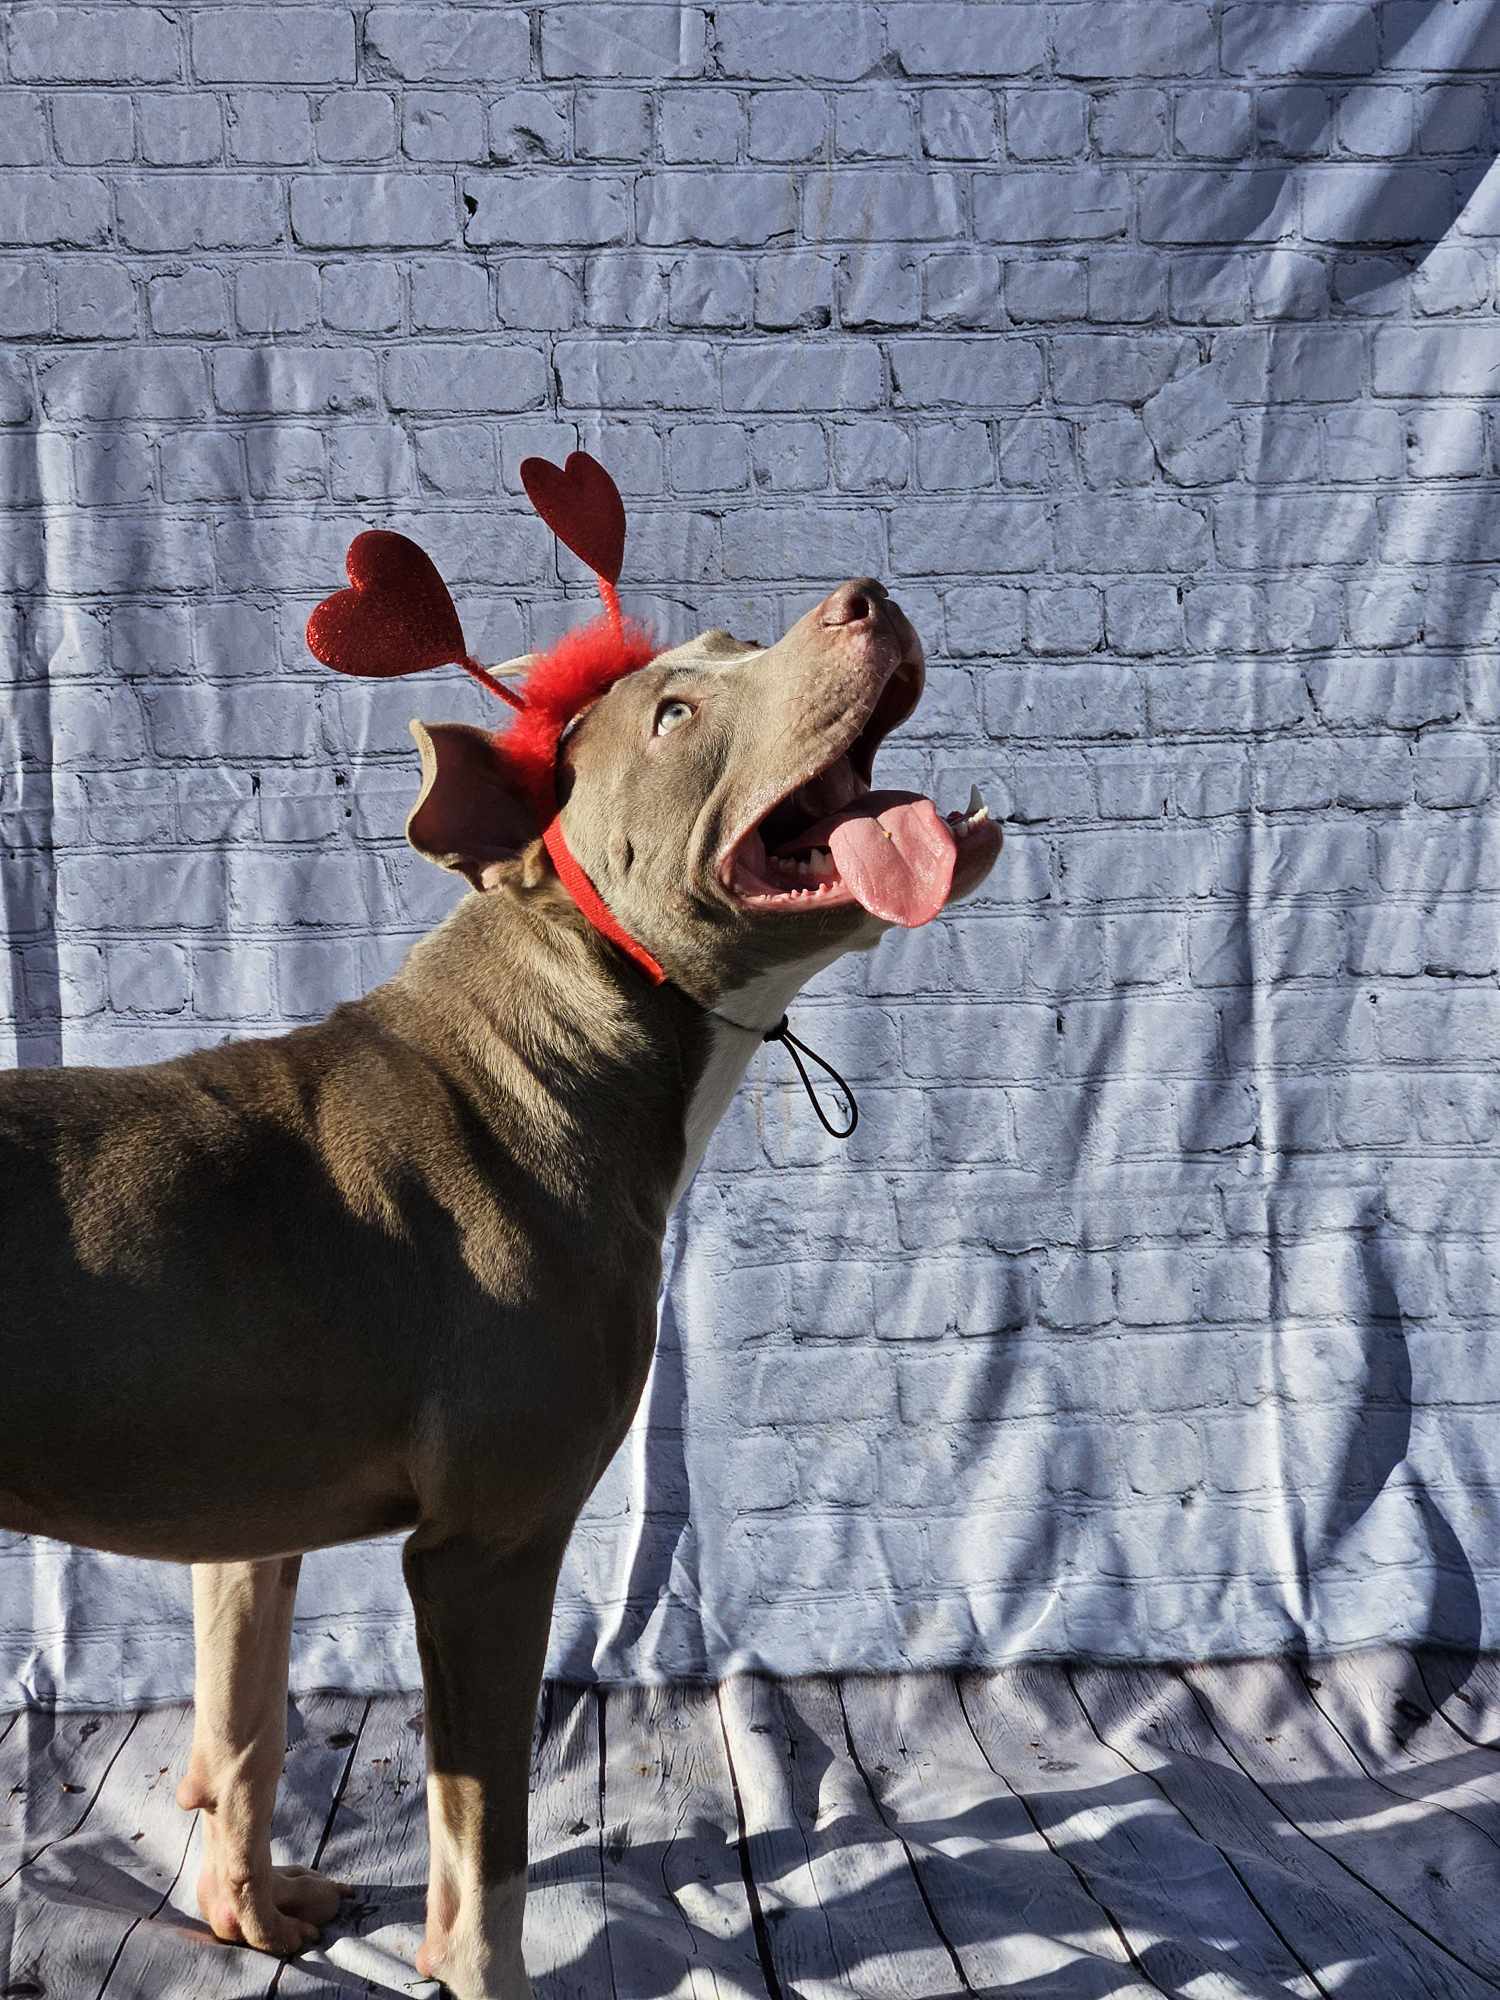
(974, 814)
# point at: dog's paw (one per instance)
(303, 1892)
(461, 1978)
(282, 1915)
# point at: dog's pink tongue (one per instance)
(896, 856)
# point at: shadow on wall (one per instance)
(1397, 201)
(1367, 1282)
(1377, 220)
(1377, 1457)
(28, 834)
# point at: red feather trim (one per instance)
(584, 664)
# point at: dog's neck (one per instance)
(737, 1026)
(569, 1050)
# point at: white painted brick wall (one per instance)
(1148, 351)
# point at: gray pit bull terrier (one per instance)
(399, 1270)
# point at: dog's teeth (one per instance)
(974, 814)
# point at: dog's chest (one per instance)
(727, 1056)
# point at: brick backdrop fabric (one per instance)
(1148, 350)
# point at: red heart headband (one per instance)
(397, 618)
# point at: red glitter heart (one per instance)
(581, 504)
(398, 617)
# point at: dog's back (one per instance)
(179, 1263)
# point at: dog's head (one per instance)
(720, 799)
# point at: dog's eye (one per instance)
(671, 714)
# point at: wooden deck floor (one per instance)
(1210, 1832)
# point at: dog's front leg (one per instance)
(242, 1625)
(482, 1624)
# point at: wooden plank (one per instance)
(671, 1828)
(1467, 1690)
(889, 1856)
(1433, 1868)
(67, 1913)
(52, 1763)
(1012, 1910)
(843, 1914)
(174, 1951)
(1378, 1704)
(677, 1913)
(567, 1950)
(378, 1842)
(375, 1839)
(1331, 1919)
(1186, 1915)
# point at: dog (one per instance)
(398, 1270)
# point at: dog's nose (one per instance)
(853, 602)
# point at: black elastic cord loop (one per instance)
(782, 1033)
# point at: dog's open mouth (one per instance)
(833, 840)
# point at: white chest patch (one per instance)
(760, 1004)
(729, 1053)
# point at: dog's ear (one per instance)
(470, 815)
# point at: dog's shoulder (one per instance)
(173, 1119)
(276, 1135)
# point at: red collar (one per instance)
(593, 905)
(560, 683)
